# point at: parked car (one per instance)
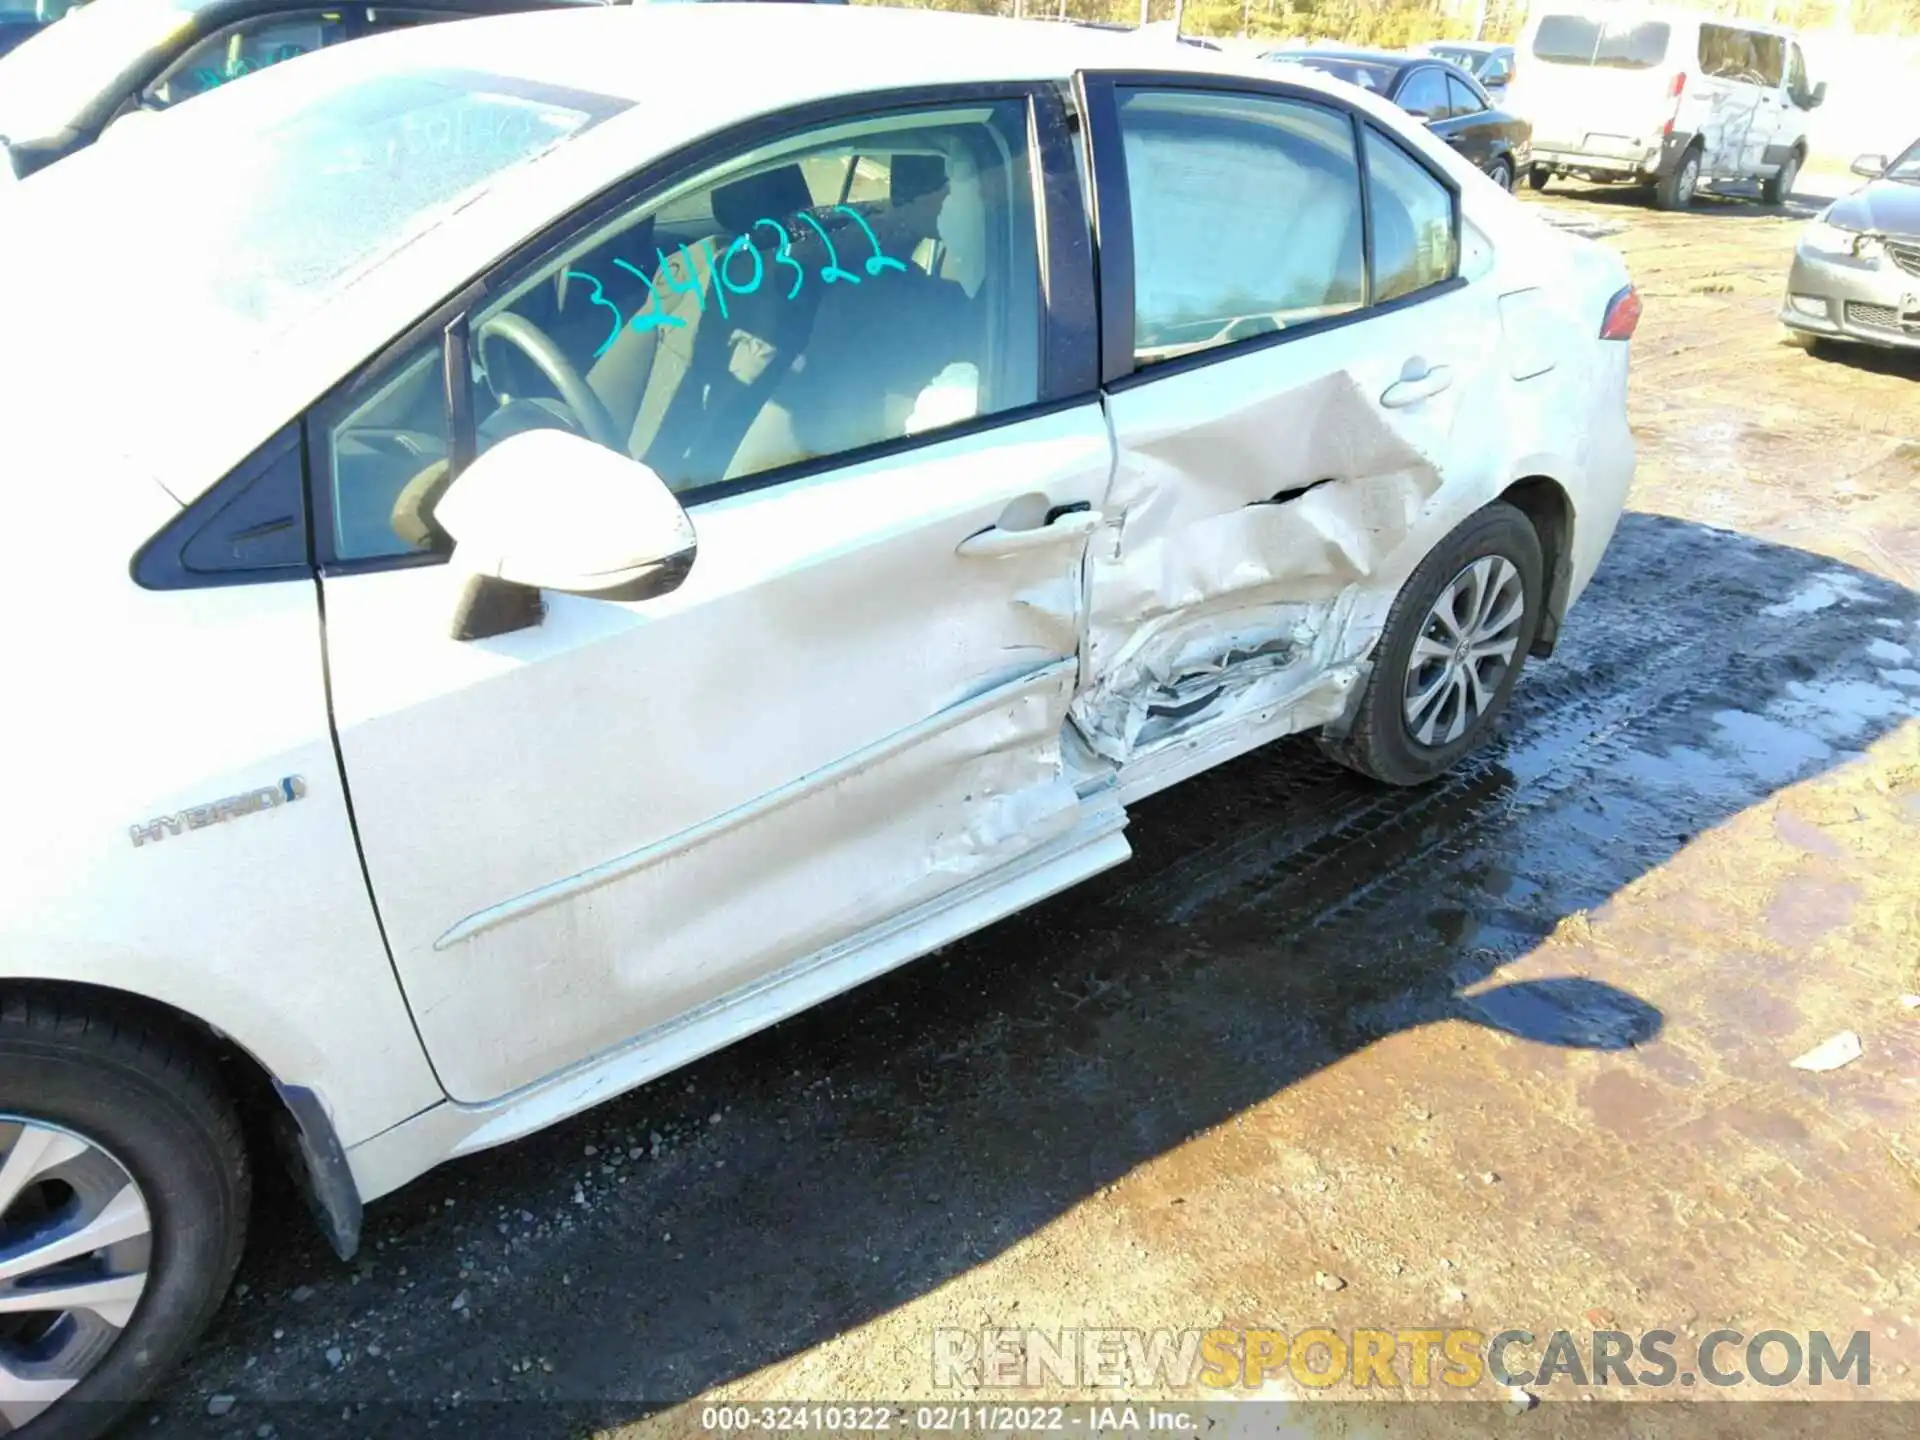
(1450, 101)
(113, 58)
(1856, 268)
(584, 558)
(1668, 99)
(20, 19)
(1489, 63)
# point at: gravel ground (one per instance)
(1511, 1051)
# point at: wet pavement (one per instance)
(1510, 1051)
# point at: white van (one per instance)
(1661, 97)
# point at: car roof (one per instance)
(1672, 14)
(1393, 58)
(775, 56)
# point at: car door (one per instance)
(1287, 373)
(861, 355)
(1422, 92)
(1495, 75)
(1472, 128)
(1731, 98)
(1770, 106)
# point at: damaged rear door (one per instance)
(1294, 373)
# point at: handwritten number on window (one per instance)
(830, 271)
(741, 246)
(691, 284)
(785, 257)
(652, 316)
(613, 333)
(877, 261)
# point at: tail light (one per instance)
(1674, 92)
(1623, 315)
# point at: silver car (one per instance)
(1856, 269)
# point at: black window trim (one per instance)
(1111, 207)
(1068, 361)
(161, 562)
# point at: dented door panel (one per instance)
(580, 831)
(1266, 508)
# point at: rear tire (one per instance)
(1675, 189)
(1538, 176)
(1429, 644)
(110, 1121)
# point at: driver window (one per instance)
(862, 284)
(857, 285)
(241, 49)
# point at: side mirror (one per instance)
(549, 510)
(1818, 97)
(1871, 166)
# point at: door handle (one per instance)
(995, 541)
(1418, 381)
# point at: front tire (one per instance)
(1451, 651)
(1777, 189)
(1539, 176)
(124, 1189)
(1501, 173)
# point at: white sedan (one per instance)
(537, 547)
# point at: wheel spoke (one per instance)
(123, 1218)
(35, 1152)
(1501, 650)
(1457, 727)
(1426, 649)
(1426, 704)
(112, 1299)
(24, 1396)
(1506, 614)
(1476, 578)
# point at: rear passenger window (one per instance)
(1414, 242)
(857, 285)
(1462, 100)
(1246, 217)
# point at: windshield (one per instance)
(50, 80)
(1365, 74)
(1905, 166)
(1616, 43)
(1469, 60)
(262, 201)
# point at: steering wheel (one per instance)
(531, 341)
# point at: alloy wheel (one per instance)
(1689, 181)
(1468, 642)
(76, 1242)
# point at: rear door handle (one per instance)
(1417, 382)
(994, 541)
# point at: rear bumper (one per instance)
(1869, 300)
(1612, 157)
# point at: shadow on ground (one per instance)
(1735, 202)
(1280, 915)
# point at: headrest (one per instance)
(914, 176)
(771, 195)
